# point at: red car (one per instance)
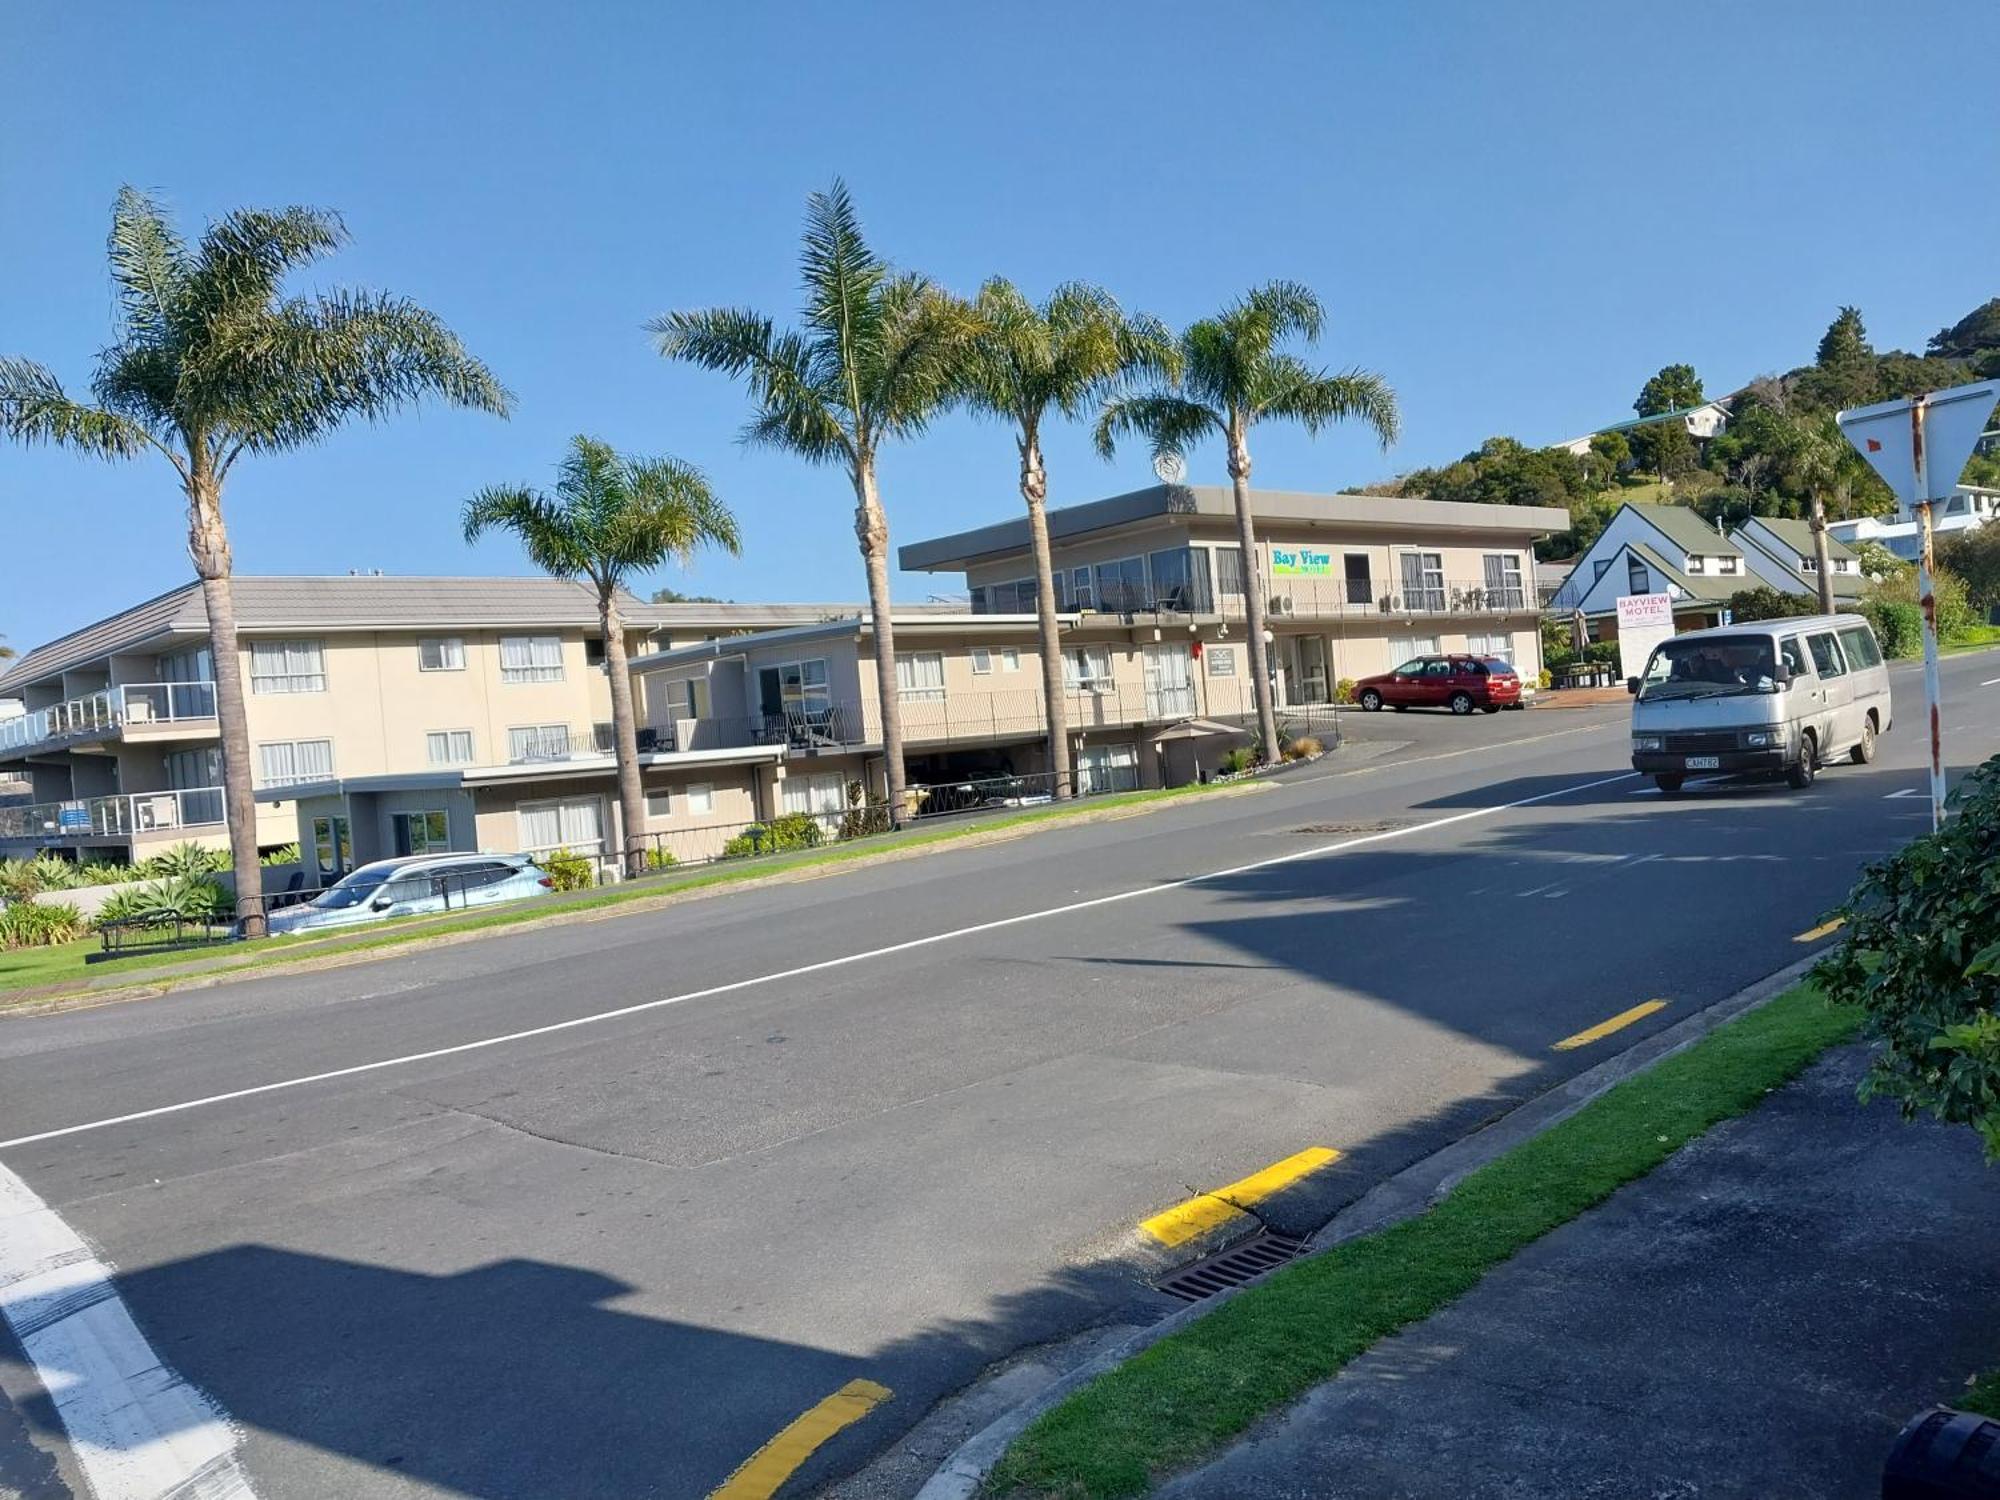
(1459, 683)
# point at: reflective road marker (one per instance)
(1604, 1029)
(771, 1465)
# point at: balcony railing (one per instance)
(124, 815)
(107, 712)
(1318, 598)
(564, 742)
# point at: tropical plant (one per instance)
(1236, 762)
(567, 870)
(104, 872)
(54, 874)
(284, 854)
(212, 359)
(862, 817)
(176, 898)
(879, 353)
(611, 517)
(1063, 356)
(186, 859)
(32, 924)
(1234, 376)
(1921, 952)
(19, 879)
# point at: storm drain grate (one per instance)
(1262, 1252)
(1343, 830)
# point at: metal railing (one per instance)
(109, 710)
(124, 815)
(564, 742)
(1289, 597)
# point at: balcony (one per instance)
(1287, 597)
(559, 742)
(127, 815)
(110, 714)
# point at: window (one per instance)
(1503, 580)
(292, 762)
(1859, 643)
(1403, 648)
(197, 665)
(1599, 567)
(920, 676)
(1087, 669)
(1221, 661)
(333, 848)
(701, 797)
(420, 832)
(1499, 645)
(1729, 565)
(1010, 659)
(1359, 580)
(1121, 585)
(1637, 579)
(449, 747)
(1175, 581)
(593, 651)
(191, 769)
(1080, 594)
(1107, 768)
(1808, 564)
(1697, 563)
(660, 804)
(794, 688)
(697, 698)
(1229, 571)
(531, 658)
(537, 742)
(1826, 655)
(1423, 581)
(1794, 654)
(822, 796)
(982, 661)
(576, 825)
(442, 653)
(287, 667)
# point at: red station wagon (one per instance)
(1459, 683)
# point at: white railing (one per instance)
(109, 710)
(124, 815)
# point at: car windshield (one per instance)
(1711, 666)
(352, 890)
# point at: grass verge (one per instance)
(1982, 1395)
(1181, 1399)
(41, 968)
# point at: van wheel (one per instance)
(1667, 783)
(1371, 700)
(1461, 703)
(1864, 752)
(1801, 773)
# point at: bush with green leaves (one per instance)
(19, 879)
(188, 859)
(862, 817)
(660, 857)
(1343, 690)
(1955, 613)
(568, 871)
(284, 854)
(1899, 627)
(1239, 760)
(31, 924)
(104, 872)
(1921, 953)
(177, 898)
(788, 831)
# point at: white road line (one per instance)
(802, 970)
(1908, 791)
(1989, 682)
(137, 1429)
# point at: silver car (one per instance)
(414, 886)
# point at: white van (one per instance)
(1780, 697)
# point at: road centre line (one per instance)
(1198, 1215)
(770, 1466)
(1990, 682)
(1604, 1029)
(800, 971)
(1825, 929)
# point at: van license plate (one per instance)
(1704, 762)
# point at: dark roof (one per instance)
(1797, 535)
(1217, 502)
(1686, 529)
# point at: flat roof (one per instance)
(914, 624)
(1218, 502)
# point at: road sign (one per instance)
(1919, 446)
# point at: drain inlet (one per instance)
(1241, 1263)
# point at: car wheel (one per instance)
(1371, 700)
(1461, 703)
(1492, 708)
(1801, 773)
(1667, 782)
(1864, 752)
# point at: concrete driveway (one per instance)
(599, 1210)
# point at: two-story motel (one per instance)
(409, 715)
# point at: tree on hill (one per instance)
(675, 596)
(1845, 371)
(1973, 339)
(1845, 340)
(1665, 449)
(1675, 387)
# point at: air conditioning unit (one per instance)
(1281, 604)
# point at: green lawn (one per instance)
(38, 968)
(1184, 1397)
(1982, 1396)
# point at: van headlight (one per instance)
(1764, 739)
(1647, 744)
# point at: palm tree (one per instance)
(1063, 356)
(609, 519)
(877, 355)
(211, 360)
(1233, 377)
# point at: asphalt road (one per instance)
(884, 1126)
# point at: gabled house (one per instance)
(1702, 423)
(1654, 549)
(1779, 553)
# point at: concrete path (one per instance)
(1756, 1319)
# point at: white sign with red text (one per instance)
(1644, 620)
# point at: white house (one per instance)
(1702, 423)
(1655, 549)
(1972, 506)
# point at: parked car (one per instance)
(414, 886)
(1459, 683)
(1778, 698)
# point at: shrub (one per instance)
(1303, 747)
(862, 817)
(1239, 760)
(790, 831)
(1767, 603)
(18, 879)
(284, 854)
(1955, 613)
(1898, 626)
(189, 859)
(103, 872)
(1545, 679)
(660, 857)
(1922, 955)
(1343, 690)
(568, 871)
(53, 874)
(178, 898)
(29, 924)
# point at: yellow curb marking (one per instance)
(1824, 929)
(1604, 1029)
(1184, 1221)
(775, 1462)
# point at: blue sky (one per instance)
(1514, 212)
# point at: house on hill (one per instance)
(1654, 549)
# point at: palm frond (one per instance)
(839, 273)
(917, 368)
(246, 255)
(794, 407)
(1171, 424)
(542, 524)
(1316, 399)
(1290, 309)
(149, 266)
(34, 409)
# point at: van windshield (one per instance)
(1710, 667)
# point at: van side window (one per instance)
(1826, 655)
(1859, 643)
(1794, 655)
